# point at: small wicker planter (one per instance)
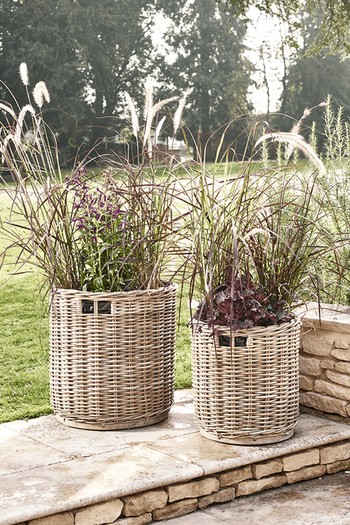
(112, 357)
(246, 383)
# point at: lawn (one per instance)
(24, 346)
(24, 350)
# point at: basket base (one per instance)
(248, 440)
(111, 425)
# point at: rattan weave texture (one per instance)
(112, 357)
(246, 394)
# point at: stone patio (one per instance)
(51, 474)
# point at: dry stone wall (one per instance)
(182, 498)
(325, 361)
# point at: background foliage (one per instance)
(335, 14)
(89, 53)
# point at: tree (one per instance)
(87, 52)
(115, 53)
(50, 51)
(206, 50)
(333, 32)
(311, 79)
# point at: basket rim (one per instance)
(150, 291)
(226, 330)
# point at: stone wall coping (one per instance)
(325, 316)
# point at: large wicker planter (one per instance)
(246, 383)
(112, 357)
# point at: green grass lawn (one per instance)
(24, 341)
(24, 350)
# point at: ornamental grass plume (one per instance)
(41, 94)
(133, 113)
(20, 121)
(149, 137)
(179, 110)
(294, 140)
(152, 112)
(23, 73)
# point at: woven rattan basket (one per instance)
(246, 383)
(112, 357)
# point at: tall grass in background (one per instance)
(334, 194)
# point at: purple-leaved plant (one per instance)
(240, 303)
(100, 233)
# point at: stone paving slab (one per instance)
(84, 481)
(311, 432)
(48, 468)
(19, 452)
(74, 442)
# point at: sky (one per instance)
(265, 31)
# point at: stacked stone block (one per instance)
(325, 370)
(182, 498)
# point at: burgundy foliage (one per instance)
(240, 304)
